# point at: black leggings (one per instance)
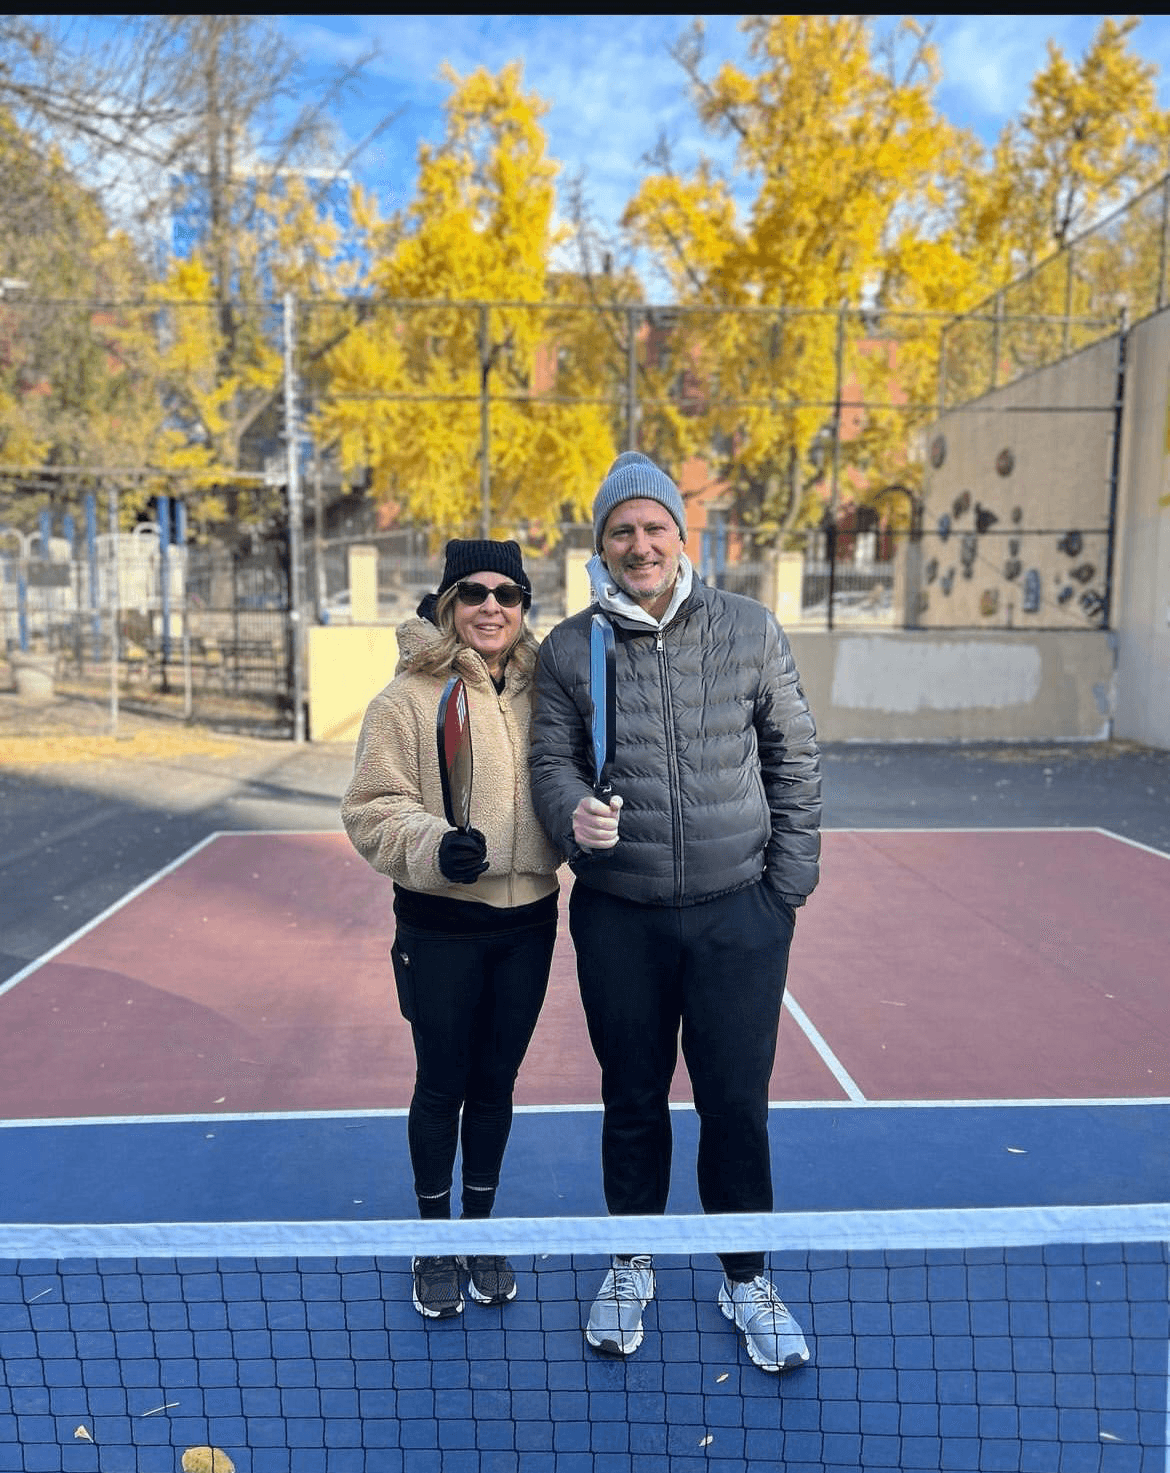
(472, 1004)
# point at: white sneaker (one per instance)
(773, 1339)
(615, 1321)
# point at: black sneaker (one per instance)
(490, 1279)
(436, 1287)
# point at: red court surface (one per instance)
(253, 977)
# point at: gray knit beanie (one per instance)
(635, 475)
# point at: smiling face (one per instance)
(488, 628)
(641, 545)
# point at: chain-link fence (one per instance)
(281, 434)
(145, 615)
(1116, 272)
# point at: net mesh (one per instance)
(949, 1340)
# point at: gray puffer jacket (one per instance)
(716, 761)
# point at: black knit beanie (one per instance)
(467, 557)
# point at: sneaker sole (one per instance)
(490, 1298)
(790, 1363)
(611, 1347)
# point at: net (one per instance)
(958, 1340)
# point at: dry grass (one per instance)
(74, 728)
(56, 747)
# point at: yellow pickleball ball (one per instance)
(207, 1460)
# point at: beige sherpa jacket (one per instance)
(393, 807)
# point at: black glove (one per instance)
(462, 856)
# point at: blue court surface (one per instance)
(983, 1278)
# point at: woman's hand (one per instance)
(462, 856)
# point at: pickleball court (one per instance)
(976, 1020)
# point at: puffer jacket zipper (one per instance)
(671, 767)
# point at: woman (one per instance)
(475, 912)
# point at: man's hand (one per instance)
(595, 824)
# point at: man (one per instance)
(687, 880)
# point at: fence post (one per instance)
(163, 507)
(115, 574)
(485, 426)
(180, 526)
(631, 378)
(295, 529)
(1115, 468)
(835, 482)
(1068, 304)
(1162, 253)
(92, 574)
(320, 591)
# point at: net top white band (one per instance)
(1002, 1227)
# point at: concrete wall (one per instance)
(901, 686)
(1141, 602)
(1017, 501)
(921, 685)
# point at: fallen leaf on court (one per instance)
(83, 1433)
(1108, 1437)
(207, 1460)
(706, 1441)
(221, 1099)
(1016, 1150)
(722, 1376)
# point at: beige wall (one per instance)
(347, 666)
(919, 685)
(1141, 603)
(901, 686)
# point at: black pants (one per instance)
(715, 971)
(472, 1003)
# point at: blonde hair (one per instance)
(439, 658)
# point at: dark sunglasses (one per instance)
(507, 595)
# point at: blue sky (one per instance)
(614, 89)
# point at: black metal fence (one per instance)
(203, 629)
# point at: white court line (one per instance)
(828, 1057)
(1028, 829)
(1133, 843)
(106, 914)
(400, 1112)
(146, 884)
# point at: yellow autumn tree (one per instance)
(848, 161)
(1019, 241)
(446, 359)
(849, 187)
(232, 149)
(219, 357)
(68, 395)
